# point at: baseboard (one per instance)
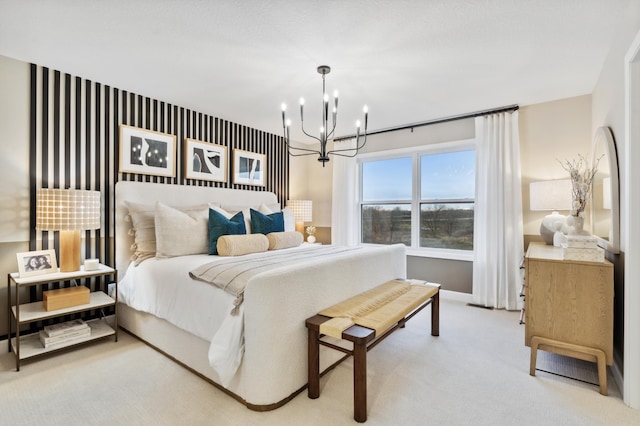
(456, 295)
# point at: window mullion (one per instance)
(415, 203)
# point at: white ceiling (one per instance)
(408, 60)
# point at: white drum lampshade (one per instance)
(68, 211)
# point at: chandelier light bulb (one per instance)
(365, 109)
(284, 107)
(301, 101)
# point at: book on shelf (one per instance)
(63, 338)
(65, 327)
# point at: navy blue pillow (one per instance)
(219, 225)
(264, 224)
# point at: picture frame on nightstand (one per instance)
(39, 262)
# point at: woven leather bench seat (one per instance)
(365, 320)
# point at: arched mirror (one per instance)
(605, 200)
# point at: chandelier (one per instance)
(325, 133)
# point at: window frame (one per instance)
(415, 153)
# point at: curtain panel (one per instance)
(498, 236)
(344, 199)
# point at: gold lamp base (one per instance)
(69, 251)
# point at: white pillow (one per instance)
(181, 233)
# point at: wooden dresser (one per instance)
(569, 307)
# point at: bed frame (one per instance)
(274, 366)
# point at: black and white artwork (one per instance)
(249, 168)
(205, 161)
(147, 152)
(37, 263)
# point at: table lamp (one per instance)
(550, 195)
(302, 212)
(68, 211)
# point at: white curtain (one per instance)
(498, 239)
(343, 206)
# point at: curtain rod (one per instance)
(509, 108)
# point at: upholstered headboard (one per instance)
(173, 195)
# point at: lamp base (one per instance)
(550, 224)
(69, 251)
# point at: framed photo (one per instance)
(37, 263)
(147, 152)
(205, 161)
(249, 168)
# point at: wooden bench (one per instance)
(375, 314)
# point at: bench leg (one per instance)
(313, 366)
(435, 315)
(360, 382)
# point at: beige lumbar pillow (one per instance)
(282, 240)
(238, 245)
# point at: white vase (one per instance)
(578, 226)
(311, 239)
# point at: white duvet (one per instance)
(163, 288)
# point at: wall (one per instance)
(68, 131)
(14, 171)
(608, 109)
(549, 132)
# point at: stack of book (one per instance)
(583, 248)
(62, 334)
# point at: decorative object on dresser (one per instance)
(582, 247)
(68, 211)
(147, 152)
(205, 161)
(249, 168)
(581, 172)
(302, 212)
(326, 131)
(569, 308)
(550, 195)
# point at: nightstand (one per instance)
(29, 346)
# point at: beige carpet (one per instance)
(475, 373)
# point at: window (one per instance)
(422, 198)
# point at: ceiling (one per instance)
(408, 60)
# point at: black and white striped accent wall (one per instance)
(74, 143)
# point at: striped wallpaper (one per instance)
(74, 143)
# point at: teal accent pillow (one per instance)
(266, 223)
(219, 225)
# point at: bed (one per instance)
(192, 322)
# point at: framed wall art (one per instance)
(249, 168)
(205, 161)
(37, 263)
(147, 152)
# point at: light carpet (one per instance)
(475, 373)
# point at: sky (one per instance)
(448, 175)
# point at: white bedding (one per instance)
(163, 287)
(273, 363)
